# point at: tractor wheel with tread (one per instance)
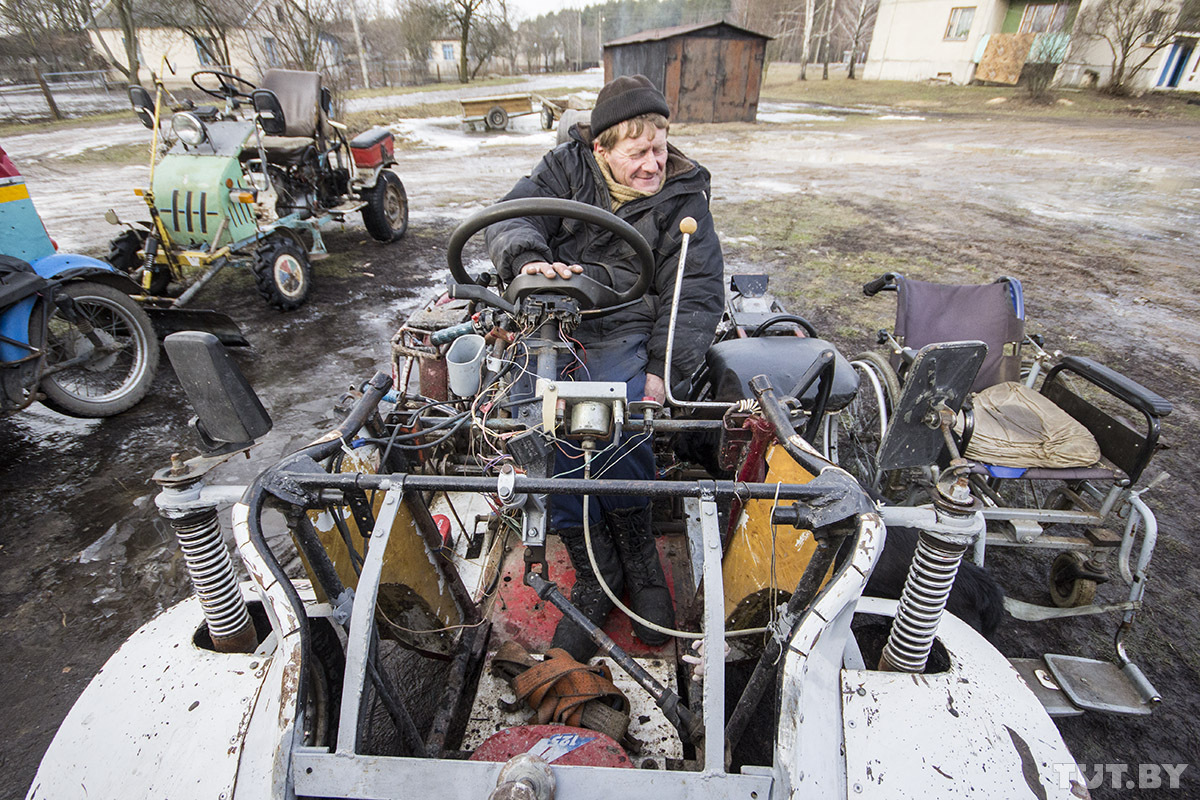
(107, 383)
(124, 251)
(386, 212)
(547, 118)
(282, 273)
(1067, 589)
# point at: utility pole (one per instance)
(362, 56)
(579, 38)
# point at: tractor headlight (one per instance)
(189, 128)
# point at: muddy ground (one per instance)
(1099, 218)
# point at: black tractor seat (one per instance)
(732, 363)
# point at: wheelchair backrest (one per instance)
(299, 95)
(929, 313)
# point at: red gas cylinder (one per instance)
(554, 744)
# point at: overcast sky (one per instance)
(527, 9)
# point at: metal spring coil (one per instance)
(921, 604)
(212, 573)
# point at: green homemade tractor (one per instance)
(251, 182)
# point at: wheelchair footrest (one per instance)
(1044, 687)
(1103, 537)
(1101, 685)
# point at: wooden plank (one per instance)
(672, 70)
(754, 79)
(513, 104)
(701, 58)
(729, 97)
(1004, 57)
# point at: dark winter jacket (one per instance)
(570, 171)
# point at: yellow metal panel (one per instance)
(16, 191)
(414, 599)
(758, 557)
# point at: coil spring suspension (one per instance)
(930, 579)
(208, 563)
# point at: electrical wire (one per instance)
(587, 541)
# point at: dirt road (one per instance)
(1099, 218)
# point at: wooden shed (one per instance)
(709, 72)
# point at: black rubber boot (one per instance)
(648, 593)
(586, 594)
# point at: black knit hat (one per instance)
(625, 98)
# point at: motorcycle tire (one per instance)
(386, 212)
(282, 273)
(105, 384)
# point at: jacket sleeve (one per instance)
(701, 298)
(514, 243)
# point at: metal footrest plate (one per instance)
(1038, 678)
(1096, 685)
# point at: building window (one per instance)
(271, 51)
(1044, 18)
(447, 52)
(960, 23)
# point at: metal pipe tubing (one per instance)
(678, 714)
(526, 485)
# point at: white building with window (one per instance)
(954, 41)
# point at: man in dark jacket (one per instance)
(623, 163)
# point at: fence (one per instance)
(75, 93)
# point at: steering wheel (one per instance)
(227, 84)
(594, 297)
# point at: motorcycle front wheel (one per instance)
(104, 378)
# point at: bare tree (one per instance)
(806, 42)
(300, 33)
(421, 22)
(861, 24)
(491, 33)
(826, 38)
(463, 14)
(209, 23)
(1134, 30)
(123, 11)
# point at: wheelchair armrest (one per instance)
(1116, 384)
(1125, 447)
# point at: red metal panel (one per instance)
(518, 614)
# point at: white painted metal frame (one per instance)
(346, 773)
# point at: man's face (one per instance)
(638, 162)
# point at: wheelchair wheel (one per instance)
(862, 423)
(1067, 588)
(886, 373)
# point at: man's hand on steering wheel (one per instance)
(556, 270)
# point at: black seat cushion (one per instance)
(783, 359)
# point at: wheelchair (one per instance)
(1051, 452)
